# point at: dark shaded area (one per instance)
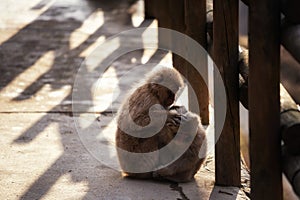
(51, 31)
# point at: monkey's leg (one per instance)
(145, 162)
(182, 170)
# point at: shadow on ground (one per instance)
(53, 31)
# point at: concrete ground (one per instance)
(44, 155)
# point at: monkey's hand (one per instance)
(174, 120)
(179, 109)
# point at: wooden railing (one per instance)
(189, 17)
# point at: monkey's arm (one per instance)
(157, 120)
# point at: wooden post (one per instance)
(290, 8)
(150, 8)
(171, 14)
(178, 24)
(195, 21)
(163, 14)
(225, 45)
(264, 102)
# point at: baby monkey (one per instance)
(146, 123)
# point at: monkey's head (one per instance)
(165, 83)
(164, 95)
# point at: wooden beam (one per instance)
(225, 48)
(195, 22)
(178, 24)
(149, 7)
(171, 14)
(163, 14)
(291, 168)
(264, 102)
(289, 34)
(289, 122)
(290, 9)
(289, 112)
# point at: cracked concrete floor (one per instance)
(42, 45)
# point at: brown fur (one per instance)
(186, 166)
(159, 88)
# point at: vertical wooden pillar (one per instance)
(225, 55)
(163, 13)
(195, 21)
(172, 15)
(178, 24)
(148, 9)
(264, 102)
(151, 7)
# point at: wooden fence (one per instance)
(189, 17)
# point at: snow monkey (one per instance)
(147, 123)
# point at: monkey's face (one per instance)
(165, 96)
(170, 98)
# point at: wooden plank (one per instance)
(163, 14)
(149, 6)
(289, 122)
(195, 21)
(170, 14)
(290, 9)
(291, 168)
(225, 47)
(289, 34)
(178, 24)
(264, 102)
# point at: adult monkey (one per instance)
(146, 123)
